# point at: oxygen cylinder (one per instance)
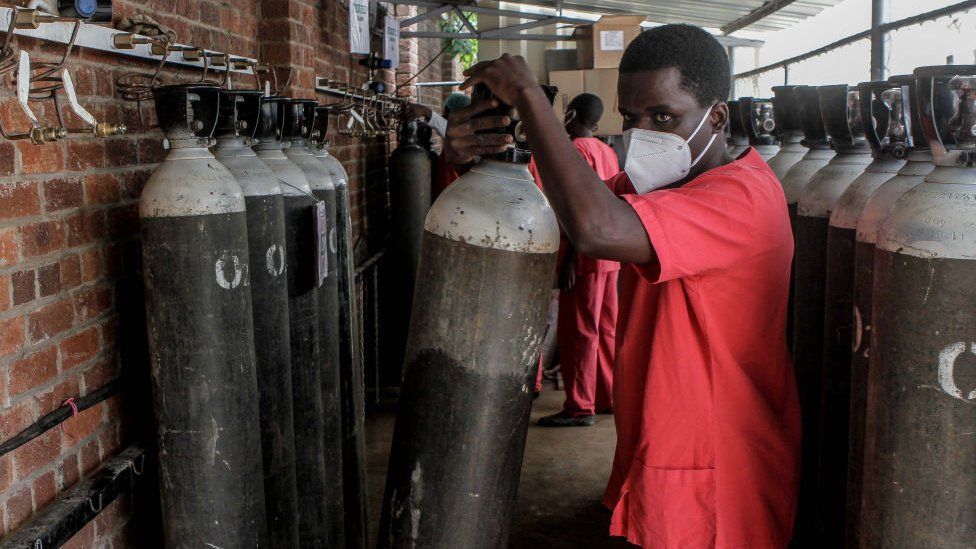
(302, 245)
(487, 258)
(350, 364)
(299, 115)
(409, 203)
(839, 108)
(817, 142)
(877, 101)
(920, 459)
(757, 119)
(198, 305)
(918, 163)
(738, 140)
(787, 131)
(236, 127)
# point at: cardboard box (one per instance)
(601, 83)
(602, 44)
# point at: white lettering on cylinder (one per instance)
(858, 329)
(269, 258)
(220, 268)
(947, 370)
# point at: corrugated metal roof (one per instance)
(706, 13)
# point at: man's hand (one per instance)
(508, 78)
(413, 111)
(462, 143)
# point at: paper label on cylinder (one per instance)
(358, 26)
(321, 242)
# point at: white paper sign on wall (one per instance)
(612, 40)
(358, 26)
(391, 41)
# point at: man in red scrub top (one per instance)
(708, 429)
(588, 291)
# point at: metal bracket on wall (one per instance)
(103, 39)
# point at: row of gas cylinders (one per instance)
(248, 277)
(880, 182)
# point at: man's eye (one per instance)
(662, 118)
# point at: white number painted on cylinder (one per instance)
(333, 240)
(858, 329)
(269, 258)
(220, 268)
(947, 370)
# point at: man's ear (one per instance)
(719, 117)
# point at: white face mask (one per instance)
(657, 159)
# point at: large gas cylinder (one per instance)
(839, 108)
(236, 127)
(788, 132)
(350, 356)
(904, 121)
(409, 202)
(303, 240)
(920, 457)
(299, 116)
(877, 101)
(817, 142)
(757, 119)
(201, 342)
(488, 253)
(738, 141)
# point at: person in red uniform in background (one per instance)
(705, 403)
(588, 291)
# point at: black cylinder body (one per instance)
(788, 132)
(409, 201)
(814, 208)
(303, 312)
(198, 303)
(738, 140)
(919, 457)
(470, 363)
(299, 117)
(269, 294)
(355, 500)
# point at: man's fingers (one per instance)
(477, 67)
(483, 140)
(476, 107)
(489, 123)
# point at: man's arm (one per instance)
(597, 222)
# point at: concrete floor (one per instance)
(564, 473)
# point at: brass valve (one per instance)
(32, 18)
(217, 59)
(104, 129)
(262, 68)
(240, 64)
(161, 48)
(40, 136)
(127, 41)
(192, 54)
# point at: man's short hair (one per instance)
(456, 101)
(588, 109)
(698, 56)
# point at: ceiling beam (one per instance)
(425, 16)
(763, 11)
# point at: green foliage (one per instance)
(465, 50)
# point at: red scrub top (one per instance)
(708, 422)
(604, 162)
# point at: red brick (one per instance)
(84, 424)
(70, 272)
(63, 193)
(108, 441)
(53, 398)
(15, 419)
(84, 539)
(8, 155)
(19, 199)
(123, 221)
(151, 151)
(11, 335)
(42, 238)
(40, 158)
(4, 293)
(24, 286)
(110, 332)
(33, 370)
(79, 348)
(102, 188)
(84, 83)
(8, 246)
(45, 489)
(6, 474)
(49, 279)
(68, 472)
(121, 152)
(51, 320)
(103, 371)
(38, 453)
(91, 265)
(85, 227)
(85, 155)
(91, 302)
(133, 183)
(18, 508)
(89, 456)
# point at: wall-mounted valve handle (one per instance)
(127, 40)
(32, 18)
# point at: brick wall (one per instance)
(71, 317)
